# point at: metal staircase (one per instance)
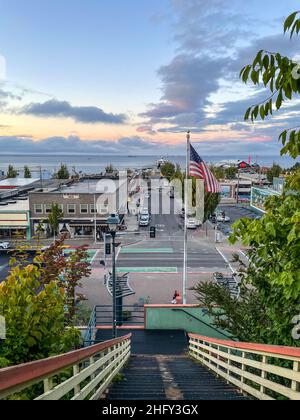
(123, 288)
(229, 283)
(169, 378)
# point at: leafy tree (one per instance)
(270, 288)
(40, 230)
(69, 270)
(274, 172)
(63, 172)
(35, 317)
(27, 173)
(281, 76)
(231, 173)
(239, 318)
(211, 201)
(168, 170)
(293, 169)
(11, 172)
(109, 169)
(218, 172)
(55, 217)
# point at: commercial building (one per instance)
(259, 195)
(240, 189)
(86, 206)
(15, 219)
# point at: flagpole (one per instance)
(185, 263)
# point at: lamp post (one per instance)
(113, 223)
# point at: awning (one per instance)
(13, 227)
(87, 224)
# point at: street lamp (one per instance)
(113, 222)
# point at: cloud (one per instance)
(74, 144)
(245, 145)
(214, 43)
(148, 129)
(63, 109)
(187, 82)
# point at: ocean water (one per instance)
(92, 164)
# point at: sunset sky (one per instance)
(132, 76)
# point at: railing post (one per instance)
(76, 370)
(48, 385)
(92, 361)
(228, 363)
(243, 367)
(263, 375)
(296, 368)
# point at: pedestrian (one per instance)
(175, 297)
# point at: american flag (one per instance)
(200, 170)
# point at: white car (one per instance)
(145, 212)
(4, 245)
(191, 224)
(223, 219)
(144, 220)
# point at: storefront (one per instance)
(14, 225)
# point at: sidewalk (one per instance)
(132, 223)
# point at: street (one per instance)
(166, 252)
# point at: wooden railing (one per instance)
(79, 375)
(261, 371)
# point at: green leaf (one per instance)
(246, 74)
(266, 62)
(279, 100)
(289, 21)
(247, 115)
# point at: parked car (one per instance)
(144, 220)
(191, 224)
(222, 218)
(4, 245)
(145, 212)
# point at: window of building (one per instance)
(84, 208)
(48, 208)
(103, 210)
(38, 208)
(93, 209)
(71, 208)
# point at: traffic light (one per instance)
(153, 232)
(214, 219)
(108, 249)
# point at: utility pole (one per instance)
(186, 206)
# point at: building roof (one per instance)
(89, 186)
(17, 182)
(14, 205)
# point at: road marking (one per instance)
(244, 255)
(147, 251)
(226, 260)
(152, 270)
(94, 257)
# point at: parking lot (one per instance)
(235, 213)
